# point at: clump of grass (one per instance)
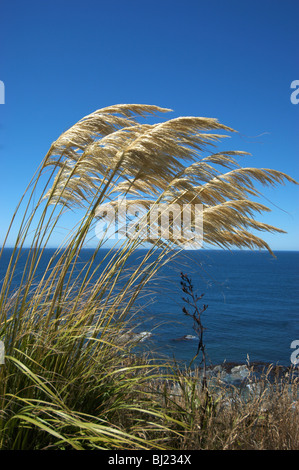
(68, 381)
(264, 416)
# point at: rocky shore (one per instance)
(244, 376)
(233, 373)
(244, 379)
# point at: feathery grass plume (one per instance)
(69, 378)
(109, 153)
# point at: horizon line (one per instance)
(142, 248)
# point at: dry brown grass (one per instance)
(262, 417)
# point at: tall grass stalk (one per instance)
(70, 380)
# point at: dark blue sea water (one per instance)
(253, 304)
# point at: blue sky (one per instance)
(228, 59)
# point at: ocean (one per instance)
(252, 298)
